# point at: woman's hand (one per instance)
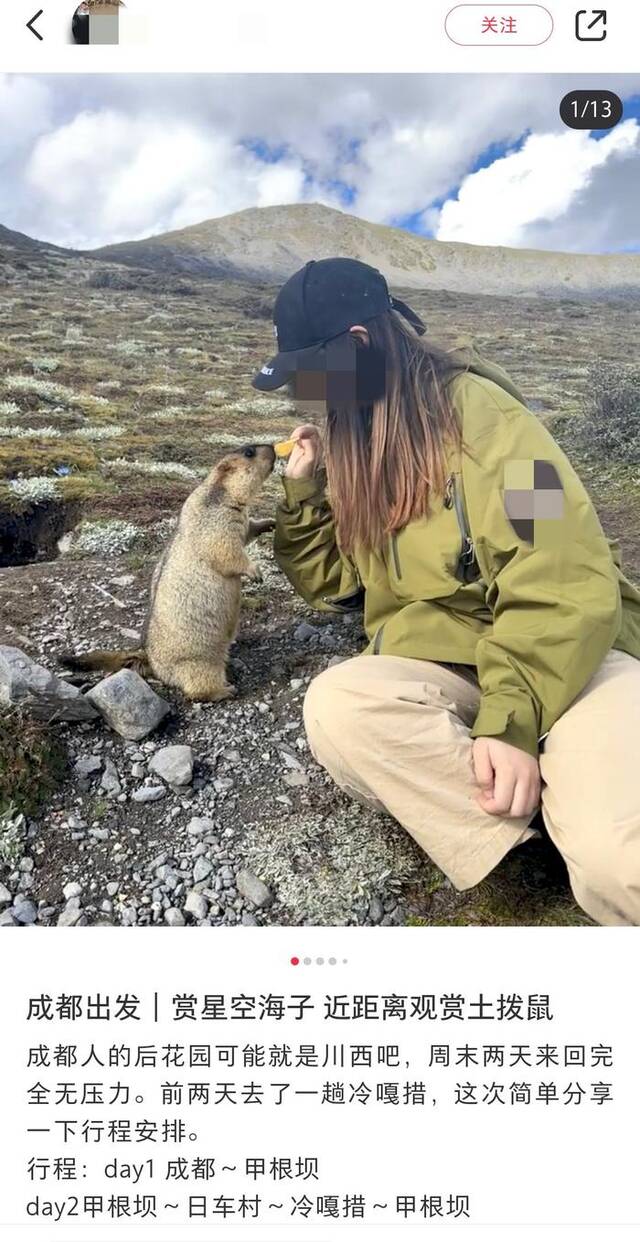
(306, 457)
(509, 778)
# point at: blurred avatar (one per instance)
(80, 26)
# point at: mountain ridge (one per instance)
(268, 244)
(265, 245)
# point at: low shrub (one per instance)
(33, 761)
(610, 423)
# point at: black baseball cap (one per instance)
(320, 302)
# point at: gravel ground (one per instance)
(256, 833)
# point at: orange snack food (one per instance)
(284, 448)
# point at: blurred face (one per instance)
(351, 374)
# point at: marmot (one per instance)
(195, 590)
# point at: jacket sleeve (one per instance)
(552, 583)
(306, 548)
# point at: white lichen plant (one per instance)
(35, 489)
(111, 537)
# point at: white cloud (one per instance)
(91, 159)
(24, 113)
(533, 187)
(108, 176)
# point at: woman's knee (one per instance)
(611, 861)
(604, 868)
(329, 706)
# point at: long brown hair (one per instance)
(385, 460)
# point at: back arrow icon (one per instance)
(31, 25)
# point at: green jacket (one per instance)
(510, 572)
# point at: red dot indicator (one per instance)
(295, 961)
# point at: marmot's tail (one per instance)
(106, 661)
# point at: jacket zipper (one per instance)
(350, 602)
(453, 499)
(346, 603)
(396, 556)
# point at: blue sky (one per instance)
(99, 158)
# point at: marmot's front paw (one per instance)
(264, 527)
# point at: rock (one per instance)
(174, 764)
(376, 910)
(24, 911)
(128, 704)
(291, 761)
(28, 685)
(296, 780)
(253, 889)
(232, 756)
(222, 784)
(72, 890)
(249, 920)
(174, 917)
(168, 876)
(304, 632)
(197, 905)
(89, 766)
(335, 660)
(70, 915)
(199, 827)
(110, 780)
(7, 919)
(112, 888)
(5, 896)
(149, 793)
(202, 870)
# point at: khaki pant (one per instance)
(395, 733)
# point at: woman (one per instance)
(503, 665)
